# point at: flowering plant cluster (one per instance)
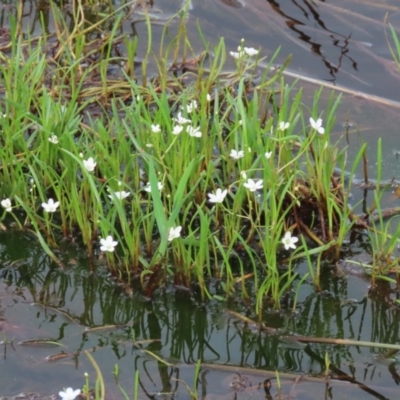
(187, 175)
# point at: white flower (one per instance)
(250, 51)
(89, 164)
(53, 139)
(253, 185)
(6, 203)
(194, 132)
(50, 206)
(192, 106)
(289, 241)
(148, 187)
(236, 154)
(155, 128)
(218, 197)
(108, 244)
(177, 129)
(282, 126)
(208, 97)
(236, 55)
(69, 394)
(181, 120)
(174, 233)
(268, 155)
(119, 195)
(317, 125)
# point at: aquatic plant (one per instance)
(195, 172)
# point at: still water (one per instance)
(163, 339)
(340, 42)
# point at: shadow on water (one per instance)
(163, 339)
(339, 42)
(311, 14)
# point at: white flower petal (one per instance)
(236, 154)
(289, 241)
(282, 126)
(251, 51)
(191, 107)
(155, 128)
(89, 164)
(174, 233)
(237, 55)
(147, 188)
(53, 139)
(181, 120)
(108, 244)
(252, 185)
(317, 125)
(177, 129)
(50, 206)
(69, 394)
(193, 132)
(6, 203)
(120, 195)
(218, 197)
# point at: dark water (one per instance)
(88, 312)
(340, 42)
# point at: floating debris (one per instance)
(105, 327)
(58, 356)
(40, 342)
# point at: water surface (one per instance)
(163, 339)
(340, 42)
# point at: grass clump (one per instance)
(193, 173)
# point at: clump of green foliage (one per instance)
(195, 172)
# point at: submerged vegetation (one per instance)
(194, 174)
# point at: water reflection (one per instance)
(163, 339)
(342, 45)
(335, 42)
